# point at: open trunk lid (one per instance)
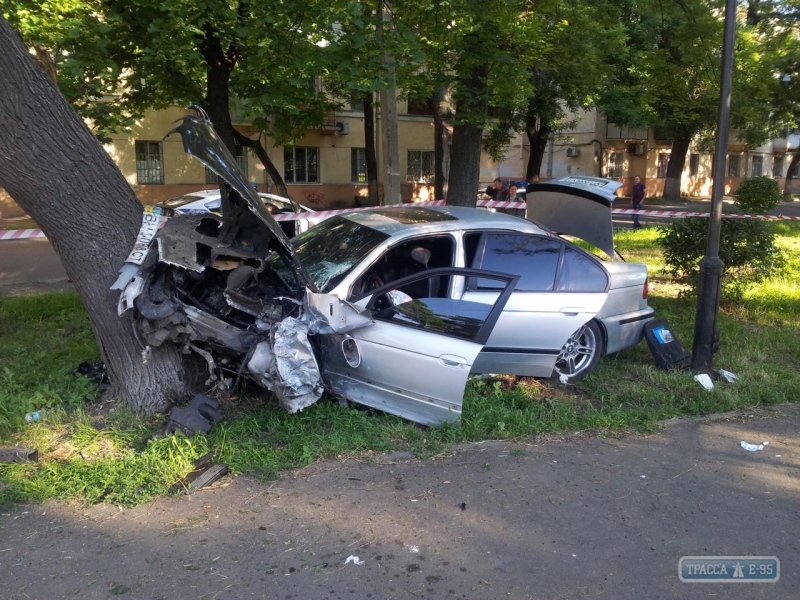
(576, 206)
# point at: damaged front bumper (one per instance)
(207, 286)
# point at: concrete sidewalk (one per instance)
(563, 519)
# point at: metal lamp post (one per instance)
(705, 324)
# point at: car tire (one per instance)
(580, 353)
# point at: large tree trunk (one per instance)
(538, 141)
(371, 151)
(439, 111)
(787, 187)
(672, 184)
(465, 154)
(56, 170)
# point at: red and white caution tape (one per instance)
(27, 234)
(20, 234)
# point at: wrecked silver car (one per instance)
(233, 289)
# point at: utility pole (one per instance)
(389, 139)
(705, 324)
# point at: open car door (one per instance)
(414, 360)
(576, 206)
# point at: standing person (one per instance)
(637, 200)
(497, 191)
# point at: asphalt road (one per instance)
(30, 265)
(580, 517)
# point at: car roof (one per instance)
(405, 220)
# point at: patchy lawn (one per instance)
(113, 458)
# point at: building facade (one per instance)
(327, 167)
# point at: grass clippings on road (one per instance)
(112, 457)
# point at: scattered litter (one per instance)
(753, 447)
(414, 500)
(445, 482)
(704, 380)
(729, 377)
(413, 548)
(354, 559)
(643, 476)
(95, 371)
(205, 473)
(18, 454)
(777, 456)
(575, 556)
(201, 415)
(463, 506)
(563, 379)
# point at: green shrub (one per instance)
(747, 247)
(757, 195)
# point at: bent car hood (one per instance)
(201, 141)
(576, 206)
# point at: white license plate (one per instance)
(153, 219)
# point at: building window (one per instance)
(241, 158)
(358, 165)
(420, 166)
(615, 164)
(149, 162)
(694, 165)
(301, 165)
(357, 101)
(733, 165)
(757, 166)
(663, 163)
(777, 166)
(624, 132)
(420, 106)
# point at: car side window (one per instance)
(533, 258)
(579, 273)
(418, 306)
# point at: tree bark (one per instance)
(677, 159)
(57, 171)
(465, 165)
(373, 196)
(787, 187)
(439, 112)
(538, 141)
(465, 154)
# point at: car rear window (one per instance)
(329, 251)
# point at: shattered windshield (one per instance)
(329, 251)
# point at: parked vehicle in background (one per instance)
(209, 201)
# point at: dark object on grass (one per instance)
(201, 415)
(463, 506)
(18, 454)
(668, 351)
(95, 371)
(205, 473)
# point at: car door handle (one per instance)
(450, 360)
(571, 312)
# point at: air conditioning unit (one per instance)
(636, 149)
(343, 127)
(573, 151)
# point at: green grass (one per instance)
(112, 458)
